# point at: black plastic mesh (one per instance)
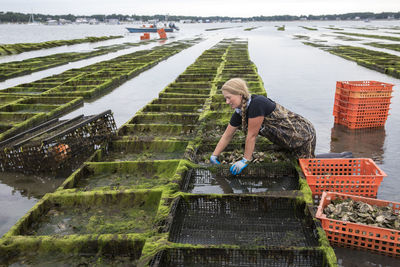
(203, 181)
(217, 257)
(47, 149)
(242, 220)
(255, 170)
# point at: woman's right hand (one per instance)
(214, 160)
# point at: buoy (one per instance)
(61, 152)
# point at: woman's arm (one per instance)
(225, 139)
(254, 126)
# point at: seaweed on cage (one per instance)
(215, 257)
(247, 221)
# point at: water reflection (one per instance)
(360, 258)
(31, 186)
(364, 143)
(19, 192)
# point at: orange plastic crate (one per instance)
(354, 114)
(363, 94)
(358, 86)
(359, 125)
(357, 100)
(358, 176)
(354, 235)
(363, 103)
(372, 118)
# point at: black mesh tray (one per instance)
(255, 179)
(242, 220)
(216, 257)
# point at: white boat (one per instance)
(32, 20)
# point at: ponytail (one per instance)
(243, 109)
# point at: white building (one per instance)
(52, 22)
(81, 20)
(113, 21)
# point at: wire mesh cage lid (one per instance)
(54, 144)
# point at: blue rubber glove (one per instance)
(214, 160)
(238, 166)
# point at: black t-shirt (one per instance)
(259, 106)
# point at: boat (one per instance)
(148, 29)
(153, 28)
(32, 20)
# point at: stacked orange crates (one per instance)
(162, 33)
(362, 104)
(145, 36)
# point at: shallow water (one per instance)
(66, 260)
(205, 182)
(119, 179)
(79, 220)
(129, 156)
(300, 77)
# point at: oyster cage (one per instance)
(242, 220)
(216, 257)
(56, 144)
(104, 250)
(256, 179)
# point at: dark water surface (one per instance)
(299, 77)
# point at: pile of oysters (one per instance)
(229, 157)
(360, 212)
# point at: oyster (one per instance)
(363, 213)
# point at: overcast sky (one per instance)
(231, 8)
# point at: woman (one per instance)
(266, 118)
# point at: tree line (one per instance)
(13, 17)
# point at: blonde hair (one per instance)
(238, 86)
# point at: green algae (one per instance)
(379, 61)
(220, 28)
(137, 174)
(309, 28)
(51, 259)
(107, 212)
(75, 84)
(124, 156)
(164, 118)
(280, 28)
(251, 28)
(25, 47)
(302, 37)
(101, 250)
(27, 108)
(172, 108)
(181, 131)
(383, 37)
(315, 44)
(333, 28)
(394, 47)
(170, 190)
(25, 113)
(375, 60)
(80, 220)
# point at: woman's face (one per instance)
(235, 101)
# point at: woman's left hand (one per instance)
(238, 166)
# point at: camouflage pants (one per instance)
(290, 131)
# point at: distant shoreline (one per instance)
(129, 23)
(15, 17)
